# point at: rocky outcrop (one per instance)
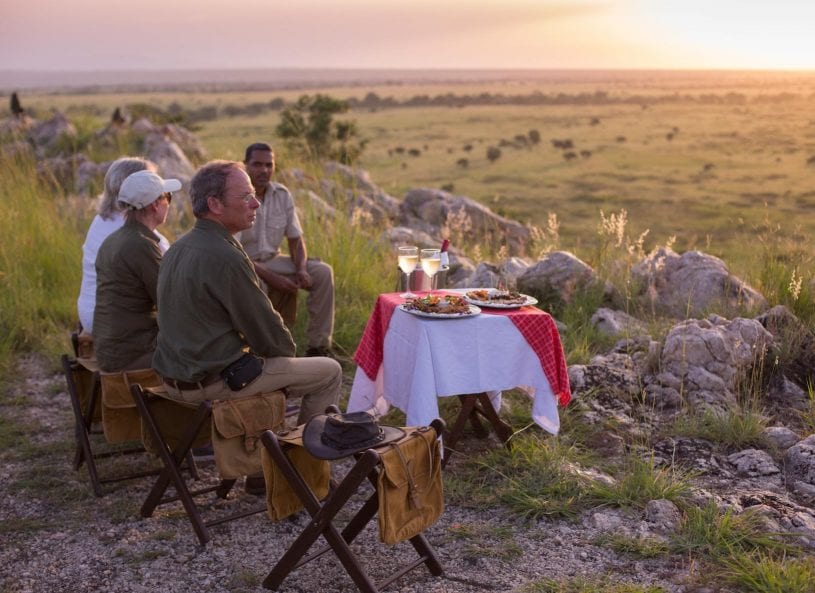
(558, 277)
(799, 466)
(692, 284)
(53, 136)
(438, 212)
(707, 360)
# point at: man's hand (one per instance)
(304, 280)
(277, 281)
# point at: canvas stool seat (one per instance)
(296, 479)
(172, 428)
(89, 389)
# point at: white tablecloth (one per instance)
(429, 358)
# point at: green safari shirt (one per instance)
(211, 307)
(124, 319)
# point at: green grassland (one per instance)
(724, 176)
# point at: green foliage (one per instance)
(762, 573)
(309, 128)
(535, 479)
(708, 532)
(644, 547)
(589, 585)
(735, 427)
(640, 481)
(363, 266)
(40, 261)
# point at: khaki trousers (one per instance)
(320, 301)
(316, 380)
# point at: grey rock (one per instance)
(753, 462)
(558, 275)
(799, 462)
(710, 358)
(691, 284)
(434, 210)
(780, 437)
(663, 513)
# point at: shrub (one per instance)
(493, 153)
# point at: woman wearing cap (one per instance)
(124, 320)
(109, 219)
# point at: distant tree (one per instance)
(493, 153)
(308, 126)
(463, 163)
(534, 136)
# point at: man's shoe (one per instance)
(320, 351)
(255, 485)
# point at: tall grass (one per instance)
(40, 261)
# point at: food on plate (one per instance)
(503, 297)
(447, 304)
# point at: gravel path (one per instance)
(56, 536)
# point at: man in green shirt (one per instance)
(212, 311)
(127, 264)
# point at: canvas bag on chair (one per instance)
(281, 500)
(236, 428)
(120, 418)
(410, 485)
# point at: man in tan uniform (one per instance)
(284, 276)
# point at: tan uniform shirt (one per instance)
(275, 220)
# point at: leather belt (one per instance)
(187, 386)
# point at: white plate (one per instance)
(496, 305)
(473, 311)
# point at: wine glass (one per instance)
(431, 261)
(408, 259)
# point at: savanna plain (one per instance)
(718, 162)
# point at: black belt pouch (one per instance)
(243, 371)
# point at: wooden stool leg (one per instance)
(171, 460)
(82, 426)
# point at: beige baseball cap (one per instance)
(145, 187)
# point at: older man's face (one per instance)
(260, 167)
(237, 211)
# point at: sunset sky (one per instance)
(185, 34)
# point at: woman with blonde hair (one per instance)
(109, 218)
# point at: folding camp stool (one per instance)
(474, 405)
(323, 513)
(82, 378)
(172, 457)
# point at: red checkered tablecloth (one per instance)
(536, 326)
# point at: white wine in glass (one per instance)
(408, 260)
(431, 261)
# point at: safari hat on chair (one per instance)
(332, 436)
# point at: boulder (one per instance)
(780, 437)
(691, 285)
(662, 513)
(557, 277)
(753, 463)
(708, 359)
(438, 213)
(49, 137)
(799, 463)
